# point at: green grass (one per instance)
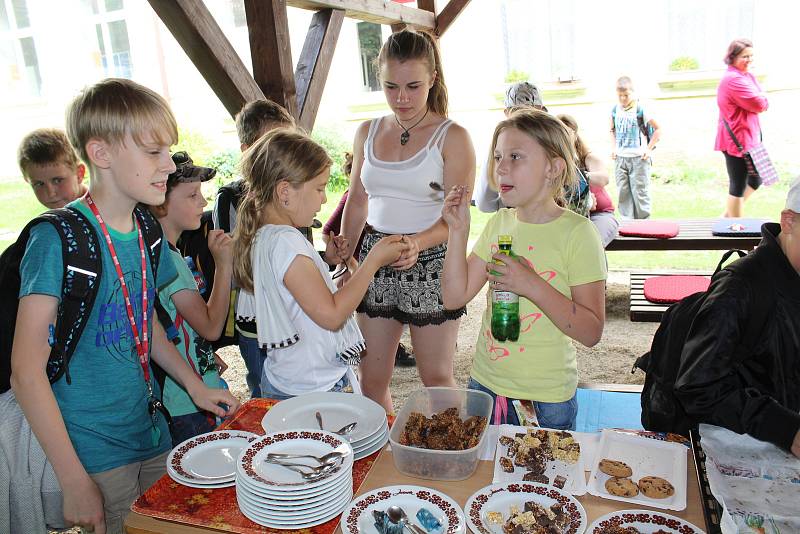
(20, 206)
(701, 198)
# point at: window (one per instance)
(699, 32)
(111, 31)
(540, 39)
(369, 45)
(18, 49)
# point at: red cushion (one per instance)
(658, 229)
(672, 288)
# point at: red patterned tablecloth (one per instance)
(216, 508)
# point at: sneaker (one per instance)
(404, 358)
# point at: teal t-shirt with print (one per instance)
(105, 406)
(193, 348)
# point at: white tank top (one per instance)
(400, 199)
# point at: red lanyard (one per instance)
(142, 345)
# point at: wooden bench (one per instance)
(642, 310)
(695, 234)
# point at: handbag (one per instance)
(757, 160)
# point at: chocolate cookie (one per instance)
(656, 487)
(622, 487)
(615, 468)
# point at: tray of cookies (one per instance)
(639, 470)
(551, 457)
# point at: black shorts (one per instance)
(413, 296)
(738, 176)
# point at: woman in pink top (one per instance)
(740, 100)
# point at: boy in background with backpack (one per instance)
(196, 321)
(740, 365)
(49, 164)
(630, 124)
(102, 426)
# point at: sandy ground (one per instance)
(608, 362)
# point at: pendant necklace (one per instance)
(405, 135)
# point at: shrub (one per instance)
(515, 75)
(335, 145)
(196, 144)
(226, 163)
(684, 63)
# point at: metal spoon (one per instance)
(325, 459)
(346, 429)
(398, 516)
(315, 473)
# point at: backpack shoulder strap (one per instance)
(83, 266)
(153, 235)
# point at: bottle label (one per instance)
(504, 297)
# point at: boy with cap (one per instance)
(751, 390)
(518, 95)
(49, 164)
(197, 322)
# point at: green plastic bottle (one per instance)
(505, 304)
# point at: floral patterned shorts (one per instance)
(413, 296)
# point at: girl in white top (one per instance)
(395, 159)
(305, 326)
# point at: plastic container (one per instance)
(435, 464)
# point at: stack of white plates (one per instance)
(208, 460)
(337, 410)
(277, 497)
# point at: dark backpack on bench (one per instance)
(82, 259)
(661, 409)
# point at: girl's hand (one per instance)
(337, 249)
(513, 274)
(455, 211)
(221, 365)
(409, 257)
(220, 245)
(388, 250)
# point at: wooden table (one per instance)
(695, 234)
(383, 473)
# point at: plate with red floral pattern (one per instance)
(358, 519)
(489, 508)
(208, 459)
(644, 521)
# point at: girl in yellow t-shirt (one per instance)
(558, 270)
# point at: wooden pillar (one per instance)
(315, 63)
(271, 51)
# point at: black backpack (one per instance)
(661, 409)
(82, 259)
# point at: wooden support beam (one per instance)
(271, 51)
(427, 5)
(449, 14)
(379, 11)
(201, 38)
(315, 62)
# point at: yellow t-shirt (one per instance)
(541, 365)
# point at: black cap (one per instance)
(187, 171)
